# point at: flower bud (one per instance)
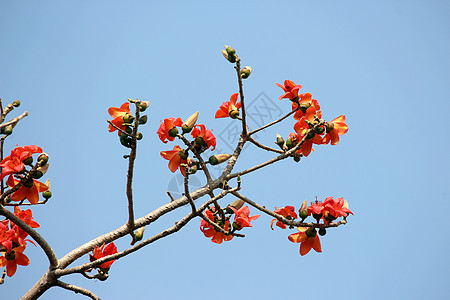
(311, 232)
(320, 130)
(190, 123)
(43, 158)
(218, 158)
(322, 231)
(229, 53)
(128, 119)
(28, 161)
(304, 106)
(139, 136)
(143, 120)
(16, 103)
(173, 132)
(280, 141)
(245, 72)
(303, 210)
(40, 171)
(7, 130)
(183, 154)
(328, 217)
(234, 114)
(199, 141)
(296, 158)
(139, 234)
(47, 194)
(144, 105)
(29, 183)
(235, 204)
(236, 226)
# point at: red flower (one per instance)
(242, 217)
(117, 114)
(308, 238)
(334, 208)
(210, 232)
(229, 108)
(176, 157)
(29, 190)
(5, 235)
(287, 212)
(290, 90)
(315, 209)
(203, 136)
(103, 251)
(334, 129)
(308, 107)
(13, 163)
(13, 257)
(302, 129)
(166, 130)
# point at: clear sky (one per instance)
(384, 64)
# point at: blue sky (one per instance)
(384, 64)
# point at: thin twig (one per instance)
(199, 157)
(170, 195)
(120, 129)
(258, 144)
(77, 289)
(15, 120)
(241, 95)
(283, 219)
(274, 122)
(186, 190)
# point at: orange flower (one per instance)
(117, 114)
(167, 129)
(334, 129)
(334, 208)
(29, 190)
(242, 217)
(308, 107)
(203, 138)
(210, 232)
(308, 238)
(229, 108)
(290, 90)
(287, 212)
(103, 251)
(14, 163)
(302, 129)
(176, 157)
(13, 257)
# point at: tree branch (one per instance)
(77, 289)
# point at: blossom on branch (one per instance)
(308, 239)
(288, 212)
(334, 129)
(290, 90)
(242, 217)
(176, 157)
(15, 162)
(209, 231)
(203, 138)
(168, 130)
(12, 257)
(229, 108)
(103, 251)
(29, 190)
(118, 114)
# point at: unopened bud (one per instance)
(173, 132)
(7, 130)
(128, 119)
(43, 158)
(28, 161)
(229, 53)
(16, 103)
(303, 211)
(199, 141)
(236, 226)
(320, 130)
(183, 154)
(296, 158)
(139, 234)
(218, 158)
(245, 72)
(322, 231)
(143, 120)
(190, 123)
(237, 204)
(144, 105)
(280, 141)
(304, 106)
(40, 171)
(29, 183)
(311, 232)
(139, 136)
(329, 126)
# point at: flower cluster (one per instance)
(309, 125)
(327, 211)
(178, 158)
(221, 217)
(123, 121)
(13, 241)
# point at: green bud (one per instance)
(47, 194)
(245, 72)
(190, 123)
(304, 106)
(128, 119)
(7, 130)
(320, 130)
(199, 141)
(128, 130)
(322, 231)
(38, 174)
(280, 141)
(28, 161)
(183, 154)
(218, 159)
(16, 103)
(311, 232)
(43, 158)
(234, 114)
(143, 120)
(303, 214)
(28, 183)
(139, 136)
(230, 51)
(173, 132)
(296, 158)
(329, 126)
(236, 226)
(144, 105)
(139, 234)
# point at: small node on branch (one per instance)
(16, 103)
(245, 72)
